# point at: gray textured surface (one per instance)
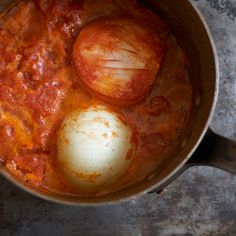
(200, 202)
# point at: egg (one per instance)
(118, 59)
(95, 146)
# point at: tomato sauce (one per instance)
(39, 87)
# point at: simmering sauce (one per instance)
(39, 86)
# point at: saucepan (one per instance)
(200, 145)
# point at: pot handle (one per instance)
(214, 150)
(217, 151)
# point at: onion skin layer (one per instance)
(118, 59)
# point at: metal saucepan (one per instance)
(200, 145)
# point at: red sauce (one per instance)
(39, 87)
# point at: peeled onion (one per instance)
(95, 147)
(118, 59)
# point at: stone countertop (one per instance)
(202, 201)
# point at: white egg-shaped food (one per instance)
(95, 146)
